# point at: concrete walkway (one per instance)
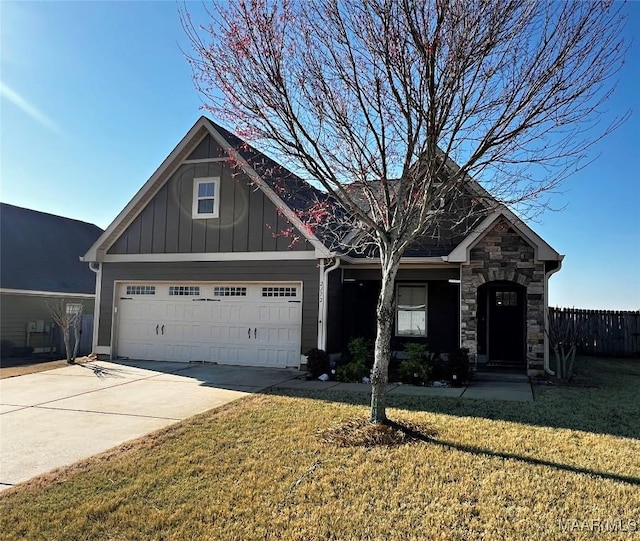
(55, 418)
(484, 388)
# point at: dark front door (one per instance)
(506, 324)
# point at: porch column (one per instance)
(468, 310)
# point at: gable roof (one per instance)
(250, 160)
(292, 195)
(543, 251)
(41, 252)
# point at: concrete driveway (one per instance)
(55, 418)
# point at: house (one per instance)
(200, 266)
(40, 262)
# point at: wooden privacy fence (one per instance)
(604, 333)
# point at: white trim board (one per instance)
(415, 262)
(221, 256)
(88, 296)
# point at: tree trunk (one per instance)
(76, 339)
(382, 353)
(67, 344)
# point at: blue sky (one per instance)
(94, 95)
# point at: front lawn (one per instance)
(257, 469)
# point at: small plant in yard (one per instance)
(564, 333)
(6, 348)
(415, 368)
(68, 316)
(318, 362)
(360, 361)
(361, 351)
(459, 366)
(352, 372)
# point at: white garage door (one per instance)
(228, 323)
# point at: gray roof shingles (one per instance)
(40, 251)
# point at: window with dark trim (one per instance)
(506, 298)
(411, 310)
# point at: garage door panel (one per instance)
(249, 328)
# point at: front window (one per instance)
(411, 312)
(206, 197)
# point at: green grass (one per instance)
(257, 469)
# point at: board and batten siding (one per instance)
(305, 271)
(248, 221)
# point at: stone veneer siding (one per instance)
(502, 254)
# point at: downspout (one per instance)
(96, 306)
(547, 275)
(324, 302)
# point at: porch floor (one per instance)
(479, 389)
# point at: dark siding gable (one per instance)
(207, 148)
(248, 220)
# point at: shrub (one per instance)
(361, 351)
(318, 362)
(21, 351)
(459, 366)
(360, 361)
(353, 371)
(6, 348)
(415, 368)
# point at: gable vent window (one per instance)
(229, 291)
(206, 197)
(141, 290)
(184, 290)
(279, 291)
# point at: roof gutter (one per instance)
(97, 269)
(323, 309)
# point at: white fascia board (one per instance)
(543, 251)
(136, 205)
(266, 189)
(34, 293)
(375, 261)
(223, 256)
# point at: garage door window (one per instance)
(279, 291)
(184, 290)
(229, 291)
(141, 290)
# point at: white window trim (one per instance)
(426, 310)
(216, 198)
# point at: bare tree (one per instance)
(393, 106)
(565, 334)
(68, 316)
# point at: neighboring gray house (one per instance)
(40, 261)
(199, 266)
